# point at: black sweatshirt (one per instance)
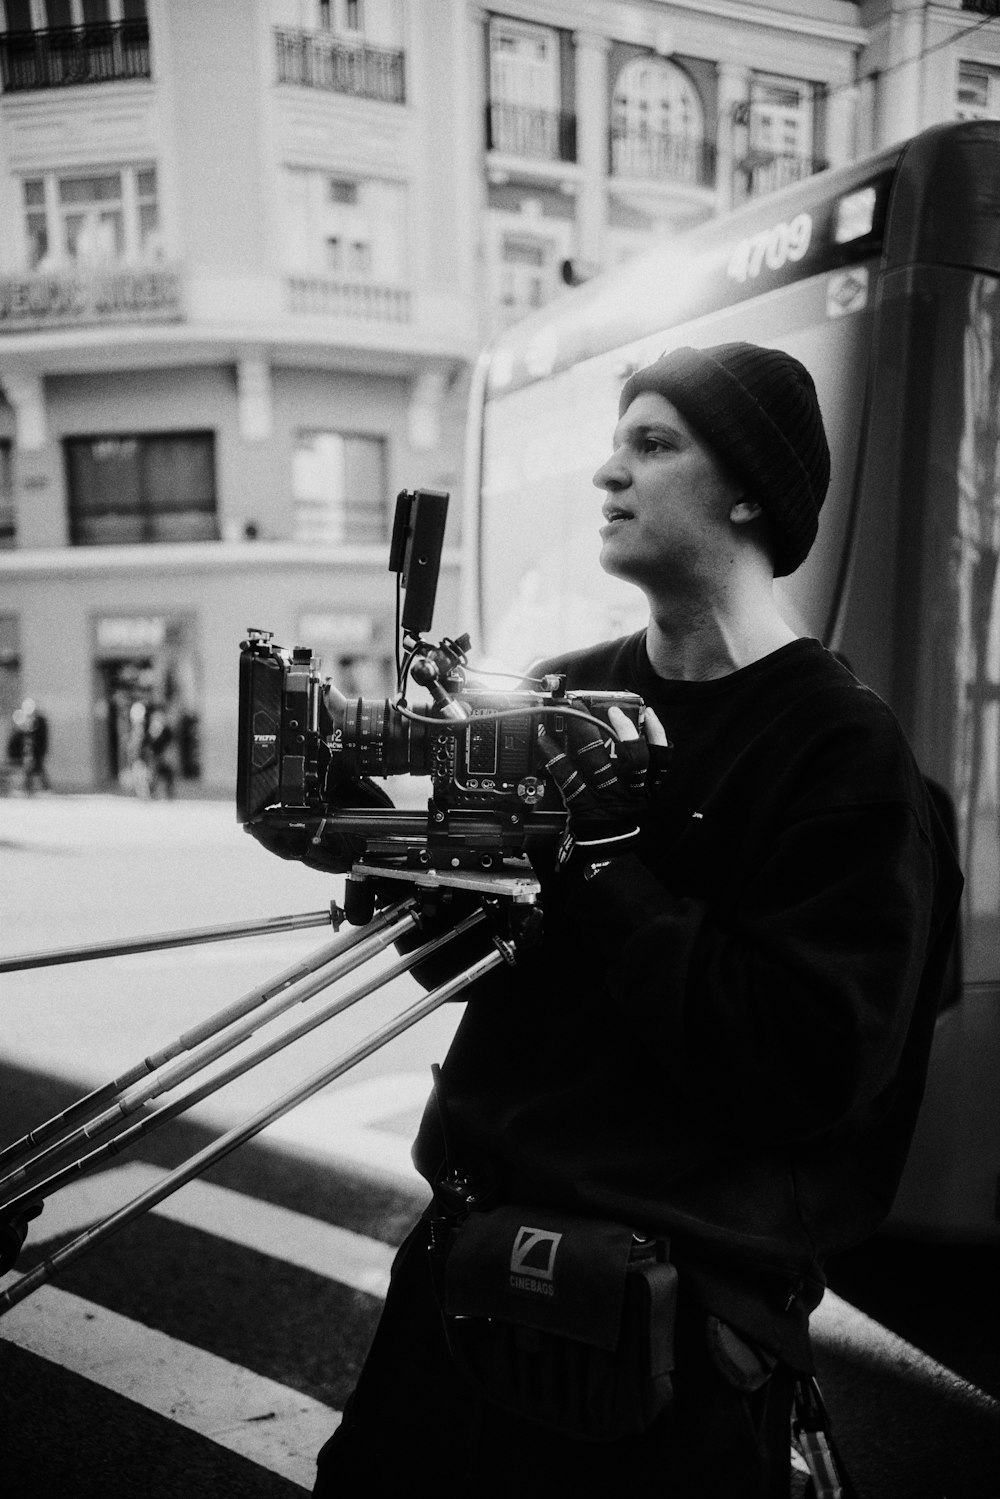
(724, 1036)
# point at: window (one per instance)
(36, 222)
(57, 14)
(978, 94)
(657, 122)
(339, 489)
(92, 219)
(8, 521)
(18, 15)
(341, 15)
(90, 211)
(781, 117)
(11, 686)
(346, 229)
(351, 258)
(135, 489)
(524, 117)
(524, 64)
(527, 273)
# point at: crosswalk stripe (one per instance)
(323, 1248)
(271, 1425)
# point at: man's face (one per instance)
(668, 499)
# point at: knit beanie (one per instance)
(757, 410)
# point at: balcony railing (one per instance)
(317, 61)
(59, 299)
(656, 157)
(541, 134)
(762, 172)
(370, 301)
(104, 52)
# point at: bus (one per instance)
(884, 279)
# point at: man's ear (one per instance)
(743, 511)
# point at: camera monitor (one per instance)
(415, 553)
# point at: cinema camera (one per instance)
(307, 752)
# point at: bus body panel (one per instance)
(945, 201)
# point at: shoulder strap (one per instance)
(811, 1425)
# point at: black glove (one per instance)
(604, 794)
(14, 1231)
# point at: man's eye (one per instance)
(655, 444)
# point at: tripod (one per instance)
(62, 1148)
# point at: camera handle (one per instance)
(425, 673)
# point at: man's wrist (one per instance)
(584, 853)
(612, 844)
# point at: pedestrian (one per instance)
(157, 753)
(721, 1038)
(135, 770)
(28, 747)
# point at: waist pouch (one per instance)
(562, 1320)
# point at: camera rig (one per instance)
(307, 753)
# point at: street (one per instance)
(208, 1347)
(185, 1350)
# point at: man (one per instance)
(723, 1035)
(28, 745)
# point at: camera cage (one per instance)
(307, 753)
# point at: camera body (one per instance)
(303, 746)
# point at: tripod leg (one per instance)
(192, 938)
(30, 1184)
(222, 1147)
(346, 953)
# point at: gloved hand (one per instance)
(14, 1231)
(604, 796)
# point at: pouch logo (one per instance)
(532, 1260)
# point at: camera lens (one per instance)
(371, 739)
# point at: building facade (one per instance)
(249, 250)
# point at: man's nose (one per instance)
(612, 474)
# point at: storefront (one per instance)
(147, 697)
(104, 639)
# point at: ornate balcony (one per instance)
(763, 172)
(542, 134)
(321, 296)
(655, 157)
(103, 52)
(59, 299)
(316, 60)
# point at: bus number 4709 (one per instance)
(772, 248)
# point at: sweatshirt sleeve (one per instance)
(792, 1010)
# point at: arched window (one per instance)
(657, 123)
